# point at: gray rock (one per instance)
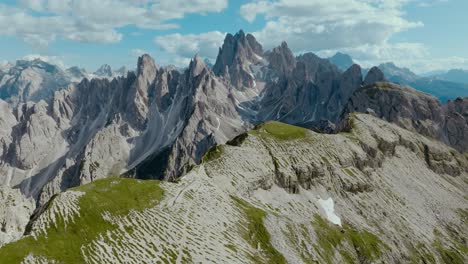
(235, 57)
(415, 111)
(373, 76)
(15, 210)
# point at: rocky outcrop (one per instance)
(281, 61)
(415, 111)
(7, 121)
(235, 57)
(456, 123)
(15, 210)
(373, 76)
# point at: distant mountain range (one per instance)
(444, 86)
(443, 89)
(454, 75)
(33, 80)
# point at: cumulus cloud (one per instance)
(138, 52)
(40, 22)
(415, 56)
(318, 25)
(186, 46)
(361, 28)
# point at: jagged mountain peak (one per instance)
(281, 59)
(146, 65)
(354, 68)
(197, 65)
(235, 56)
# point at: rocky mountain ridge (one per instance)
(158, 122)
(415, 111)
(374, 194)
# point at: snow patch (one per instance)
(329, 207)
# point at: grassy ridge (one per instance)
(280, 131)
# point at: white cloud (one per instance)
(39, 22)
(361, 28)
(415, 56)
(186, 46)
(138, 52)
(333, 24)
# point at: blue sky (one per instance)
(422, 35)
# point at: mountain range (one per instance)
(444, 86)
(33, 80)
(215, 164)
(454, 75)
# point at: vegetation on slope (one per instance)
(64, 242)
(368, 247)
(213, 153)
(280, 131)
(257, 234)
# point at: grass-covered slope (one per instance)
(76, 218)
(280, 131)
(278, 194)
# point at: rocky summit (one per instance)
(263, 157)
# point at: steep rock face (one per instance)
(235, 57)
(7, 121)
(15, 210)
(278, 194)
(456, 123)
(314, 90)
(33, 136)
(281, 60)
(350, 81)
(414, 110)
(210, 118)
